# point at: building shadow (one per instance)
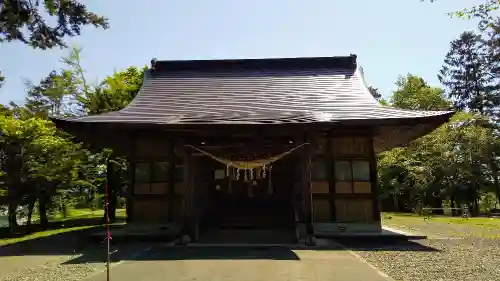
(160, 252)
(88, 250)
(386, 245)
(194, 253)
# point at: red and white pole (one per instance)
(108, 235)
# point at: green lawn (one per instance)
(81, 213)
(74, 216)
(42, 234)
(494, 222)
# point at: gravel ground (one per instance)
(56, 270)
(451, 252)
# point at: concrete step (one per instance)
(253, 236)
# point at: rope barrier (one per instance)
(246, 165)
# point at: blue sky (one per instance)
(390, 37)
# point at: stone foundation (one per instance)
(329, 228)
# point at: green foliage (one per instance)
(48, 97)
(375, 93)
(115, 92)
(45, 167)
(413, 93)
(467, 75)
(455, 162)
(28, 21)
(482, 12)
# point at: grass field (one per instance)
(479, 226)
(77, 219)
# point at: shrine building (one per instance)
(285, 144)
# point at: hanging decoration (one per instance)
(270, 182)
(252, 170)
(247, 167)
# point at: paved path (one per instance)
(242, 264)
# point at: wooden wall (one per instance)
(157, 171)
(341, 179)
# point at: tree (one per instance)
(457, 163)
(482, 12)
(375, 93)
(50, 96)
(113, 94)
(27, 21)
(414, 93)
(467, 76)
(492, 44)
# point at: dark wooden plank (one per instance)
(374, 183)
(354, 196)
(331, 176)
(306, 186)
(171, 178)
(131, 190)
(189, 173)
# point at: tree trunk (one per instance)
(31, 206)
(12, 216)
(42, 209)
(112, 186)
(452, 206)
(494, 173)
(13, 197)
(437, 204)
(395, 202)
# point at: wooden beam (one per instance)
(171, 178)
(374, 182)
(150, 196)
(131, 190)
(331, 176)
(189, 171)
(306, 189)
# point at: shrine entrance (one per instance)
(261, 198)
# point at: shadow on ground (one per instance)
(158, 252)
(58, 244)
(78, 242)
(396, 246)
(201, 253)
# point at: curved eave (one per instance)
(389, 136)
(388, 133)
(75, 124)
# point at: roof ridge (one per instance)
(348, 62)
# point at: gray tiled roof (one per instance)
(302, 93)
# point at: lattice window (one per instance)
(352, 176)
(319, 169)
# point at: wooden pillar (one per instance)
(171, 179)
(189, 176)
(306, 190)
(373, 181)
(131, 189)
(331, 176)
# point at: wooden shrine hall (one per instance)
(285, 144)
